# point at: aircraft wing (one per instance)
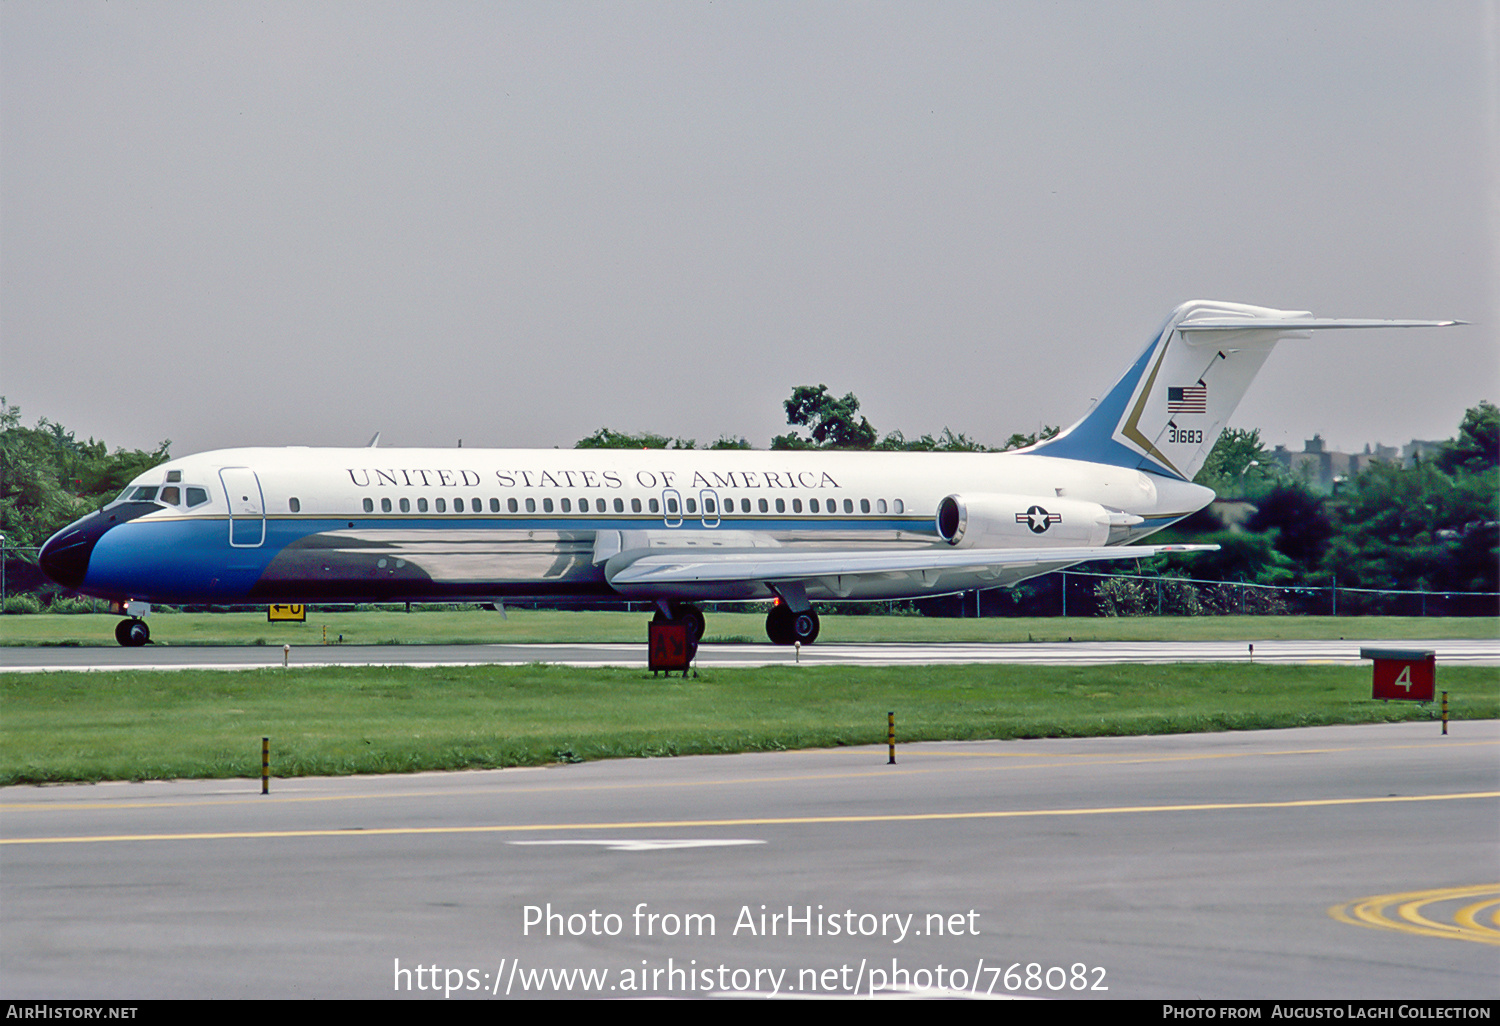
(677, 567)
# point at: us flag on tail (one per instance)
(1187, 398)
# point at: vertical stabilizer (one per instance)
(1166, 412)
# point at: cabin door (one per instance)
(247, 508)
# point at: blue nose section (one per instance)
(65, 556)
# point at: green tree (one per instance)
(48, 478)
(604, 438)
(1021, 441)
(1238, 464)
(1301, 525)
(1477, 447)
(833, 423)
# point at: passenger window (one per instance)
(546, 505)
(796, 505)
(812, 505)
(197, 497)
(511, 505)
(495, 505)
(879, 505)
(671, 506)
(406, 505)
(385, 505)
(781, 505)
(477, 505)
(764, 507)
(567, 506)
(421, 505)
(440, 505)
(692, 505)
(744, 505)
(458, 505)
(531, 505)
(369, 505)
(900, 507)
(635, 505)
(620, 505)
(848, 505)
(652, 505)
(708, 505)
(864, 505)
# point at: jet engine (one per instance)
(988, 521)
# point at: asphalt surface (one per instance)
(1484, 652)
(1209, 866)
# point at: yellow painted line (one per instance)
(1469, 915)
(1040, 760)
(754, 821)
(1374, 912)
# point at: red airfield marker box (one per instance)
(1403, 674)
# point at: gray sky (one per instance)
(293, 223)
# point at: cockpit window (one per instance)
(171, 495)
(144, 494)
(196, 496)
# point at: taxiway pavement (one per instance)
(1206, 865)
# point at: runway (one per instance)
(1485, 652)
(1274, 864)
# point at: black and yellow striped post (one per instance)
(890, 735)
(265, 765)
(1445, 712)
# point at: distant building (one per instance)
(1320, 467)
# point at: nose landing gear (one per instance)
(686, 613)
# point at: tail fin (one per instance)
(1166, 412)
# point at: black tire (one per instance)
(785, 627)
(132, 633)
(693, 616)
(779, 625)
(805, 627)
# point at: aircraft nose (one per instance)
(65, 556)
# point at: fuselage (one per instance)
(371, 524)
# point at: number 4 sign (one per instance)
(1403, 674)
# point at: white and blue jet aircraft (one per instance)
(300, 525)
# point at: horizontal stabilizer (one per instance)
(1303, 324)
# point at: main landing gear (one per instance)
(132, 633)
(785, 627)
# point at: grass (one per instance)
(539, 626)
(132, 725)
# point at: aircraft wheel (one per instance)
(132, 633)
(805, 627)
(785, 627)
(696, 624)
(779, 625)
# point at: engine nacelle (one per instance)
(989, 521)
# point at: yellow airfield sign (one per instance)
(297, 614)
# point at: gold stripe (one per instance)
(1132, 429)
